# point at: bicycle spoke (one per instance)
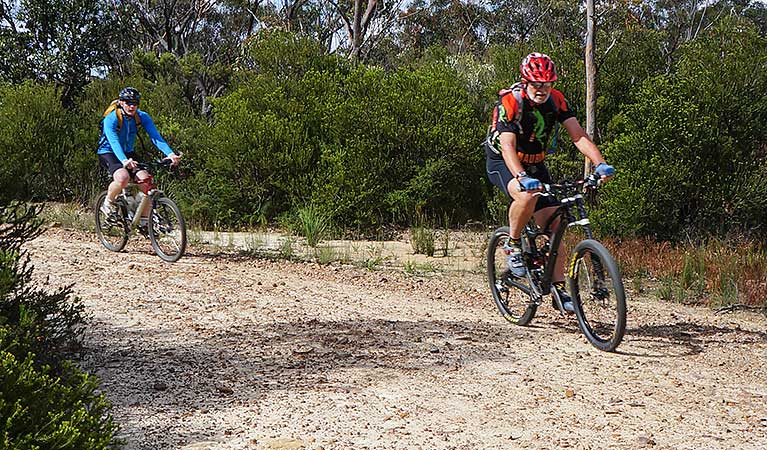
(601, 307)
(511, 296)
(111, 229)
(167, 231)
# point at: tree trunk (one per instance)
(591, 96)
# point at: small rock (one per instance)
(569, 392)
(224, 389)
(645, 440)
(208, 445)
(159, 386)
(284, 444)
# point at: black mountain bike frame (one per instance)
(533, 255)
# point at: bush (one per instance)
(364, 146)
(43, 410)
(35, 142)
(690, 152)
(44, 401)
(39, 322)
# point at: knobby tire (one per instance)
(598, 295)
(112, 233)
(511, 295)
(167, 230)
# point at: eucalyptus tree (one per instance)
(62, 41)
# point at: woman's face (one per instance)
(538, 92)
(129, 107)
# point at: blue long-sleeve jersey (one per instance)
(121, 143)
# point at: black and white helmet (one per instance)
(130, 94)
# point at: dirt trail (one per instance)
(223, 352)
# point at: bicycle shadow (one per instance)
(684, 338)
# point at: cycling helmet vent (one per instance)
(539, 68)
(130, 94)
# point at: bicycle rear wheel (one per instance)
(598, 296)
(167, 230)
(113, 229)
(511, 295)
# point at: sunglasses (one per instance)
(538, 84)
(131, 103)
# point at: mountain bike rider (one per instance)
(515, 160)
(116, 153)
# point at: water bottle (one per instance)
(139, 198)
(131, 203)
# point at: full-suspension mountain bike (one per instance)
(593, 278)
(149, 212)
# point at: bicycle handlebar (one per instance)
(164, 163)
(592, 181)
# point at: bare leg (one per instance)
(121, 178)
(521, 209)
(140, 177)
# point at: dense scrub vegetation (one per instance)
(45, 401)
(384, 128)
(368, 146)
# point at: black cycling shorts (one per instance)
(110, 162)
(500, 175)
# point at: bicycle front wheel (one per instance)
(112, 229)
(167, 230)
(598, 296)
(511, 295)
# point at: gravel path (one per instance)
(226, 352)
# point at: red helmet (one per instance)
(538, 67)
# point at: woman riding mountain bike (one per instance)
(116, 143)
(146, 210)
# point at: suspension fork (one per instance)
(583, 220)
(583, 216)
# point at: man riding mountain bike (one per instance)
(522, 124)
(115, 150)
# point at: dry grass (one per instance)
(716, 273)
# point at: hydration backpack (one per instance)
(115, 106)
(492, 141)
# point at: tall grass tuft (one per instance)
(313, 224)
(422, 239)
(69, 215)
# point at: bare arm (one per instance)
(509, 153)
(582, 141)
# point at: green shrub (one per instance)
(47, 323)
(45, 402)
(36, 142)
(42, 410)
(690, 151)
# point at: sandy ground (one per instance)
(221, 351)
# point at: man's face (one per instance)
(129, 107)
(538, 92)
